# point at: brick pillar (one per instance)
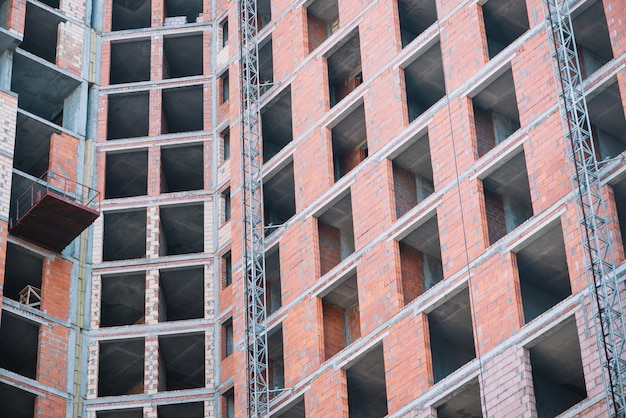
(107, 13)
(303, 332)
(497, 302)
(156, 58)
(408, 365)
(55, 289)
(152, 297)
(63, 162)
(508, 384)
(378, 280)
(158, 13)
(70, 47)
(156, 117)
(49, 406)
(17, 16)
(153, 380)
(155, 171)
(52, 356)
(329, 395)
(96, 297)
(92, 369)
(153, 232)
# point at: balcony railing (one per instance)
(53, 211)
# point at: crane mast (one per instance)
(253, 231)
(591, 209)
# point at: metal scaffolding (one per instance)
(253, 231)
(599, 261)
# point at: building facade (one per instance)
(423, 254)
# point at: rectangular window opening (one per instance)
(121, 367)
(420, 260)
(593, 42)
(496, 116)
(349, 142)
(182, 56)
(41, 32)
(124, 235)
(182, 229)
(340, 310)
(131, 14)
(181, 294)
(128, 115)
(507, 198)
(451, 335)
(273, 281)
(465, 399)
(336, 234)
(224, 87)
(130, 62)
(183, 109)
(424, 81)
(322, 21)
(505, 21)
(279, 198)
(412, 175)
(122, 300)
(608, 126)
(126, 174)
(557, 371)
(344, 69)
(543, 273)
(276, 124)
(181, 360)
(19, 340)
(228, 345)
(227, 270)
(367, 390)
(415, 17)
(182, 168)
(23, 276)
(276, 362)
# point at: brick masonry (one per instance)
(320, 341)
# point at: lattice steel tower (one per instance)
(599, 261)
(253, 231)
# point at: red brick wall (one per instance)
(463, 44)
(408, 373)
(63, 156)
(330, 251)
(378, 286)
(485, 138)
(405, 190)
(412, 271)
(17, 16)
(52, 356)
(353, 327)
(347, 86)
(497, 302)
(303, 336)
(318, 31)
(334, 329)
(494, 211)
(55, 289)
(352, 158)
(329, 395)
(49, 405)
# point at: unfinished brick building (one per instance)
(422, 247)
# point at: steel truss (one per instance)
(591, 209)
(253, 231)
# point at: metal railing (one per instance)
(53, 183)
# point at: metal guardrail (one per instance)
(53, 183)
